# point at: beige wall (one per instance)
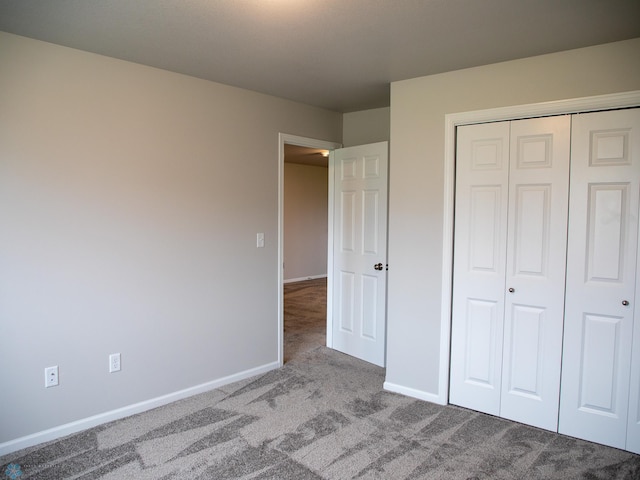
(366, 126)
(130, 199)
(305, 221)
(418, 109)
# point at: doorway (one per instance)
(302, 271)
(306, 181)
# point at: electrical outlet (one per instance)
(114, 362)
(51, 377)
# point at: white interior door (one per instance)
(601, 275)
(535, 273)
(482, 192)
(359, 273)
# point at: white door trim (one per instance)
(310, 143)
(576, 105)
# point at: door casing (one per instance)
(560, 107)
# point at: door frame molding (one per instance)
(285, 138)
(453, 120)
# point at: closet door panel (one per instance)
(525, 343)
(633, 425)
(479, 266)
(601, 276)
(535, 270)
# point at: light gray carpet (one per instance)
(324, 415)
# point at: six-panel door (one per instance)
(360, 251)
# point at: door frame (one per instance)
(285, 138)
(559, 107)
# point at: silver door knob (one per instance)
(378, 266)
(625, 302)
(511, 290)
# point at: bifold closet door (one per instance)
(597, 384)
(536, 258)
(509, 258)
(482, 194)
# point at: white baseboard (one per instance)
(302, 279)
(85, 423)
(412, 392)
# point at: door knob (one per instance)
(511, 290)
(378, 266)
(625, 302)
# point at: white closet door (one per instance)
(633, 425)
(535, 273)
(482, 173)
(601, 271)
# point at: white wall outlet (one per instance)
(260, 240)
(51, 376)
(114, 362)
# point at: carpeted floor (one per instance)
(305, 317)
(323, 415)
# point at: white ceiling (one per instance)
(337, 54)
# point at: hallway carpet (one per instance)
(323, 415)
(305, 316)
